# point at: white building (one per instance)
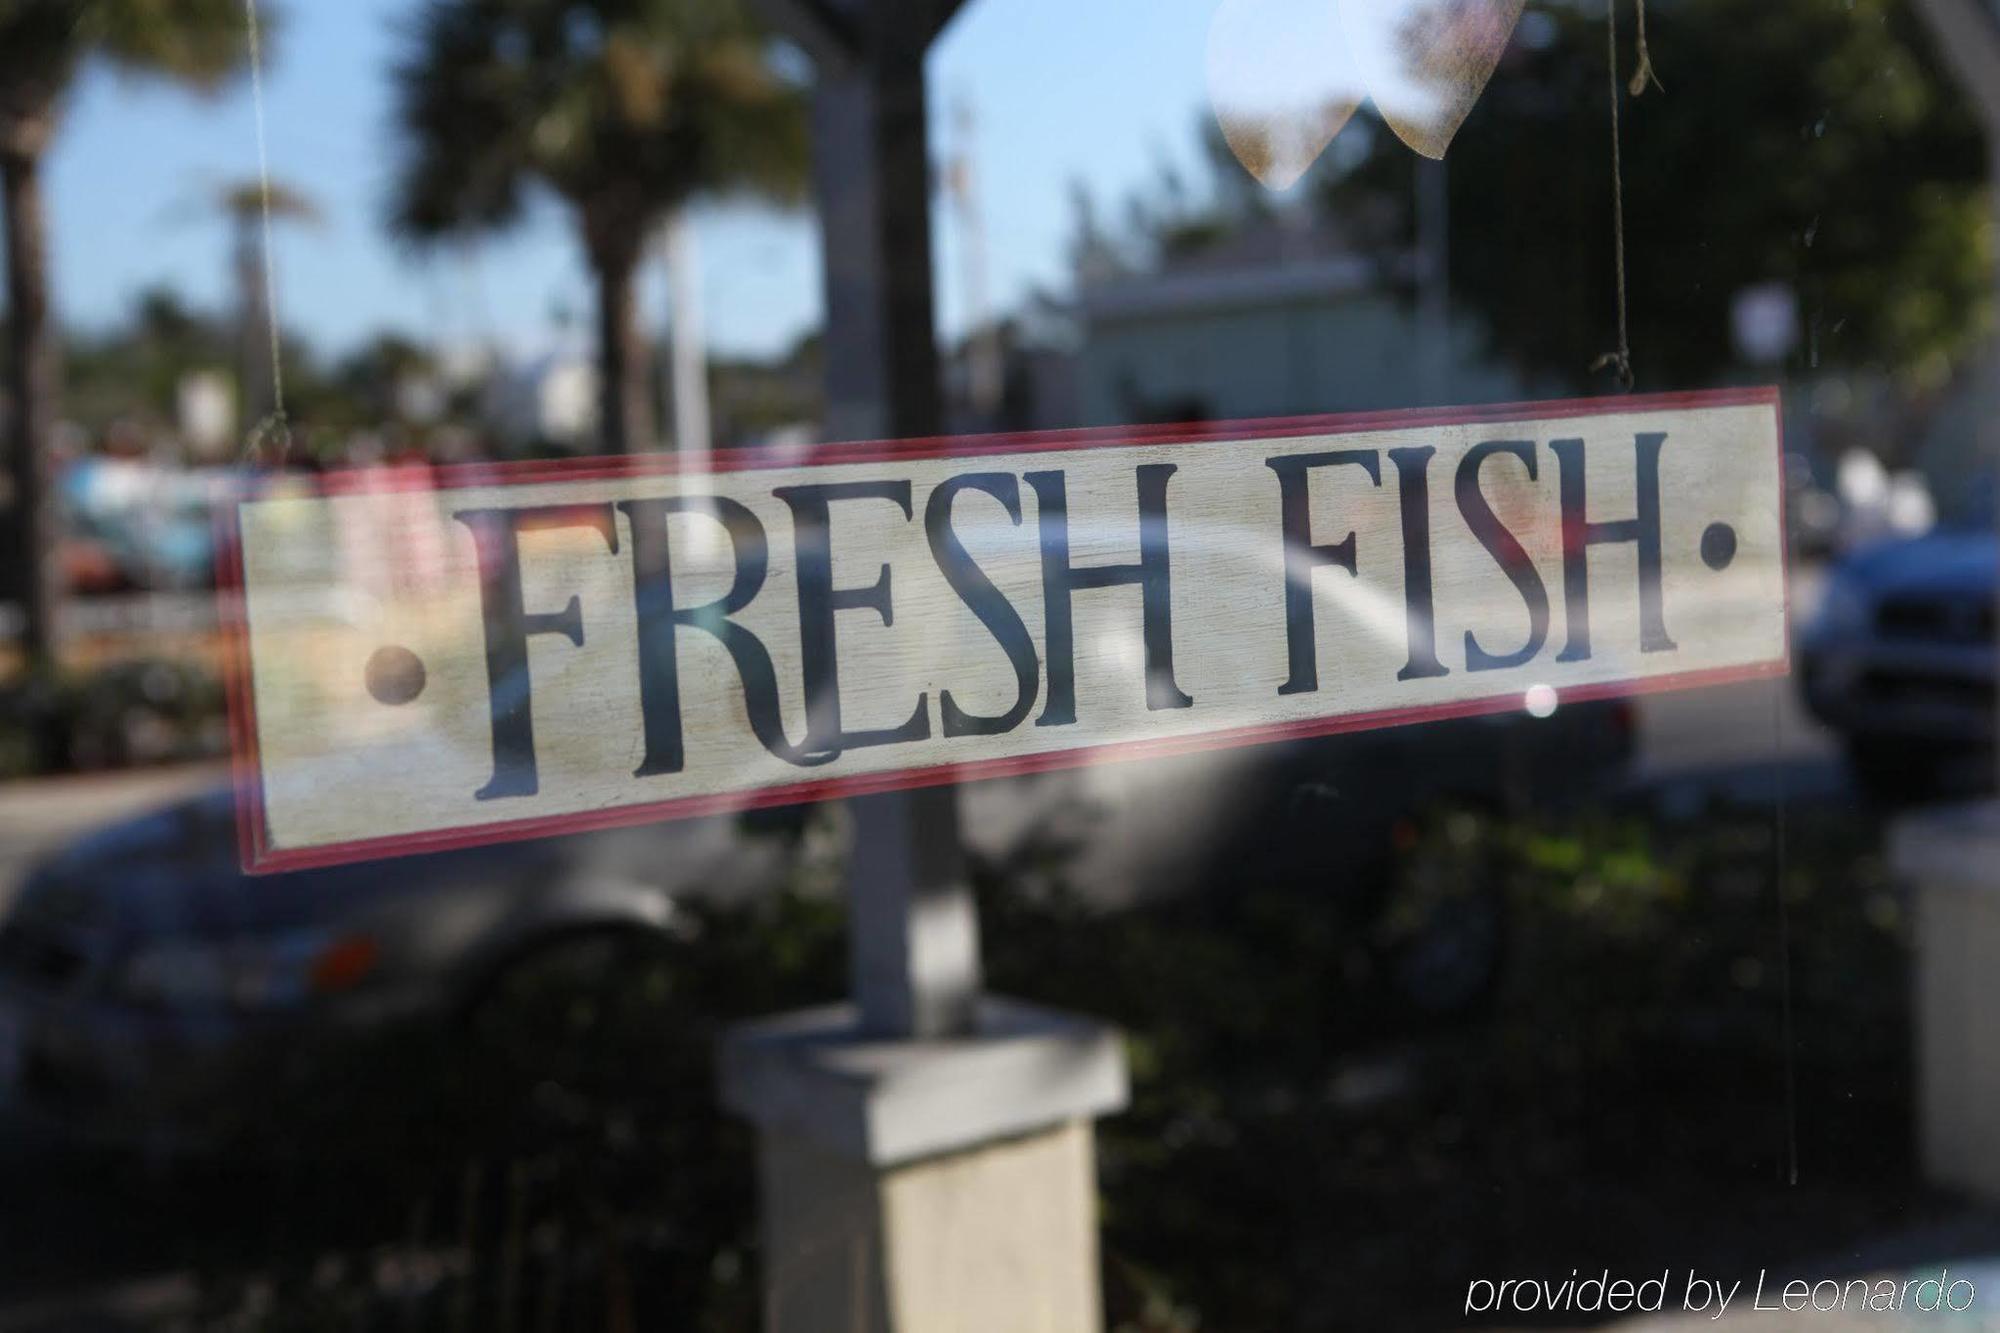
(550, 399)
(1271, 322)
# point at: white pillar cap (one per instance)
(1023, 1069)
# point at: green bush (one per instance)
(123, 715)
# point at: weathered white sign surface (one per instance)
(471, 654)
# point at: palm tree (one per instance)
(243, 206)
(43, 44)
(626, 109)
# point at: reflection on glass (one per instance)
(1425, 62)
(1281, 83)
(1284, 76)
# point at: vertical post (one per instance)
(986, 375)
(687, 342)
(926, 1152)
(1434, 276)
(914, 933)
(871, 176)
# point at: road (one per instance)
(40, 815)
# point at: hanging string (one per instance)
(1620, 360)
(275, 426)
(1788, 1033)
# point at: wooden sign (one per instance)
(437, 657)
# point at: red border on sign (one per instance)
(253, 835)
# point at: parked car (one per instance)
(1900, 658)
(149, 990)
(135, 524)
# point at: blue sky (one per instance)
(1099, 90)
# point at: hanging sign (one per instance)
(438, 657)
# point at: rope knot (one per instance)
(1619, 361)
(277, 427)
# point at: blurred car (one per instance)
(1900, 658)
(149, 989)
(147, 986)
(137, 524)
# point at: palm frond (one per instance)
(201, 43)
(626, 108)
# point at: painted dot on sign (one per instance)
(394, 675)
(1718, 546)
(1540, 701)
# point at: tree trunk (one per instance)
(256, 385)
(33, 576)
(625, 400)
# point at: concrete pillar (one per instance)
(942, 1186)
(925, 1150)
(1951, 859)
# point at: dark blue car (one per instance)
(1900, 659)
